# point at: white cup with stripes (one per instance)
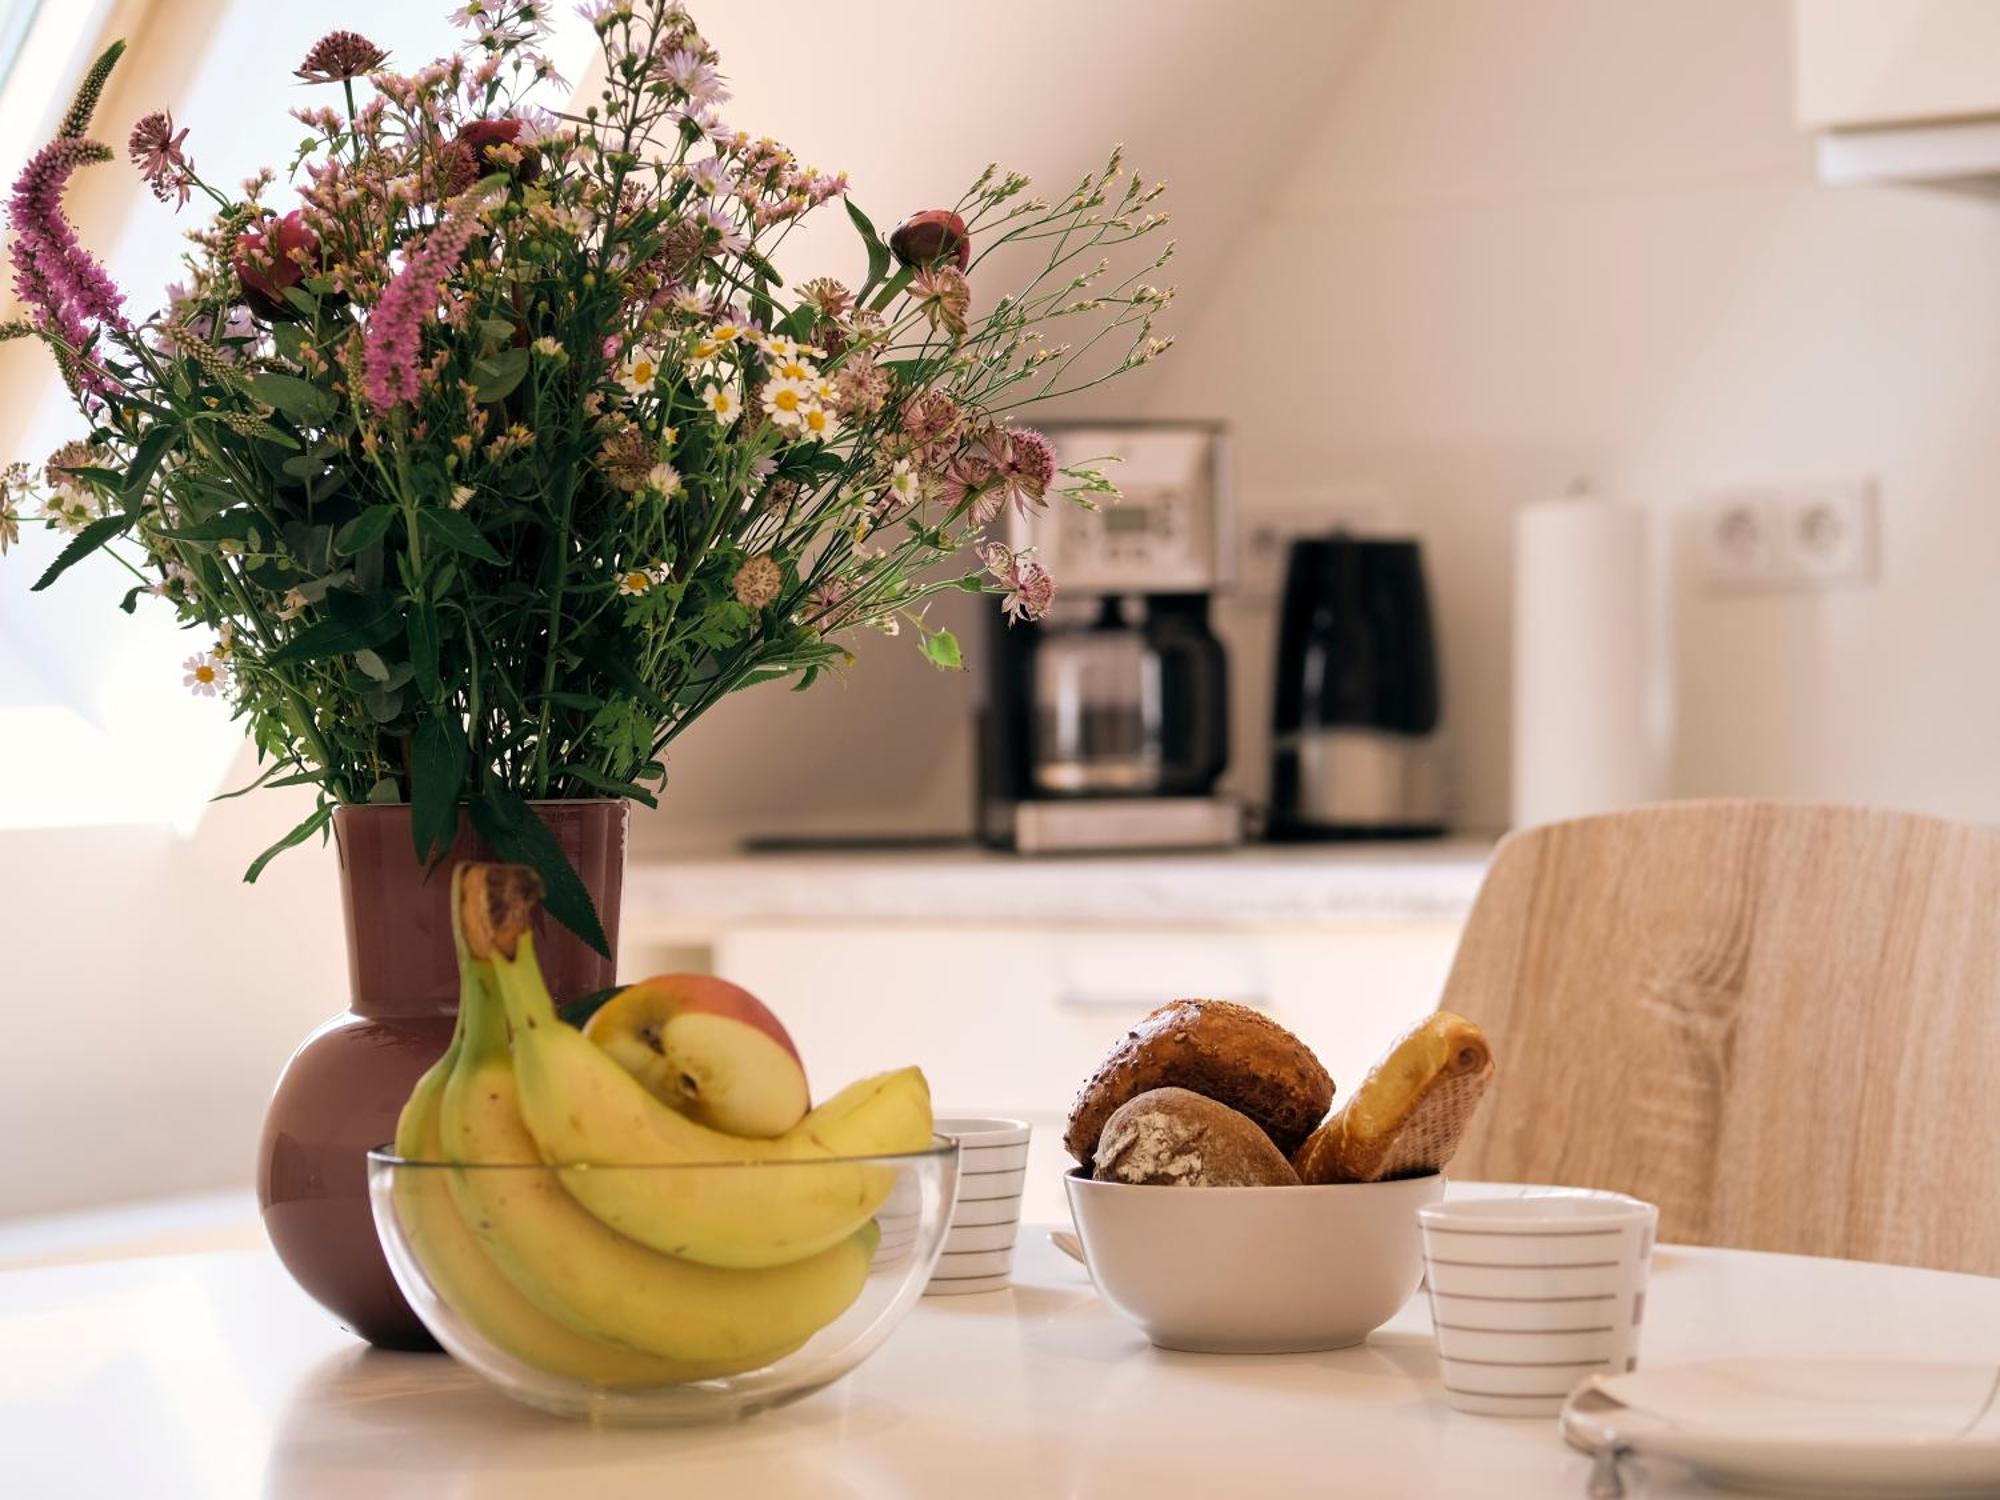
(1532, 1295)
(992, 1171)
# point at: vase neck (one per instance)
(401, 962)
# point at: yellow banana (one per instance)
(466, 1278)
(580, 1272)
(581, 1106)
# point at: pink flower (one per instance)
(945, 297)
(340, 55)
(63, 283)
(272, 257)
(1025, 464)
(394, 339)
(155, 148)
(1026, 588)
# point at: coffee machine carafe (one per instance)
(1105, 724)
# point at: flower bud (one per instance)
(930, 236)
(269, 258)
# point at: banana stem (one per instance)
(519, 983)
(481, 1020)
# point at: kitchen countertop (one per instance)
(1258, 884)
(210, 1377)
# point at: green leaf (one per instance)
(892, 288)
(494, 378)
(230, 526)
(511, 827)
(437, 775)
(611, 786)
(321, 816)
(302, 301)
(941, 650)
(577, 1012)
(365, 530)
(130, 602)
(372, 664)
(86, 541)
(298, 399)
(146, 459)
(878, 253)
(289, 338)
(455, 530)
(354, 621)
(423, 630)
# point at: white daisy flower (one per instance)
(904, 484)
(638, 371)
(664, 480)
(723, 403)
(785, 402)
(691, 303)
(791, 367)
(204, 674)
(818, 422)
(225, 640)
(636, 581)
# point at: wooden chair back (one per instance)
(1781, 1023)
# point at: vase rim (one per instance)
(404, 807)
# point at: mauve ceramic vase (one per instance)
(340, 1094)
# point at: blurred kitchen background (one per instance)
(1668, 332)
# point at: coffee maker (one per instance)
(1105, 725)
(1357, 747)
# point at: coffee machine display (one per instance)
(1105, 724)
(1357, 750)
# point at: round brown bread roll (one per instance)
(1176, 1138)
(1229, 1052)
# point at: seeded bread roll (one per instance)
(1229, 1052)
(1410, 1112)
(1176, 1138)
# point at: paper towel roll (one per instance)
(1585, 737)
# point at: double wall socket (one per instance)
(1793, 536)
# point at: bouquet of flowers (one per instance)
(488, 468)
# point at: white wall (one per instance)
(151, 997)
(1530, 241)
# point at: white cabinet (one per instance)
(1013, 1018)
(1860, 63)
(1899, 90)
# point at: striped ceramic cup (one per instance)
(1530, 1295)
(992, 1169)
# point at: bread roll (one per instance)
(1411, 1111)
(1177, 1138)
(1228, 1052)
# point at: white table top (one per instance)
(210, 1377)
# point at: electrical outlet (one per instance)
(1738, 539)
(1827, 534)
(1270, 521)
(1787, 537)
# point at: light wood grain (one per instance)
(1781, 1023)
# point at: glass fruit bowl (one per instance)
(516, 1279)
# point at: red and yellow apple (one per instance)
(707, 1048)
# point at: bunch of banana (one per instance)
(615, 1273)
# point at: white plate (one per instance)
(1876, 1428)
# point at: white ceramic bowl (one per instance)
(1254, 1270)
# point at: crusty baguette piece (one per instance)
(1411, 1111)
(1231, 1053)
(1176, 1138)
